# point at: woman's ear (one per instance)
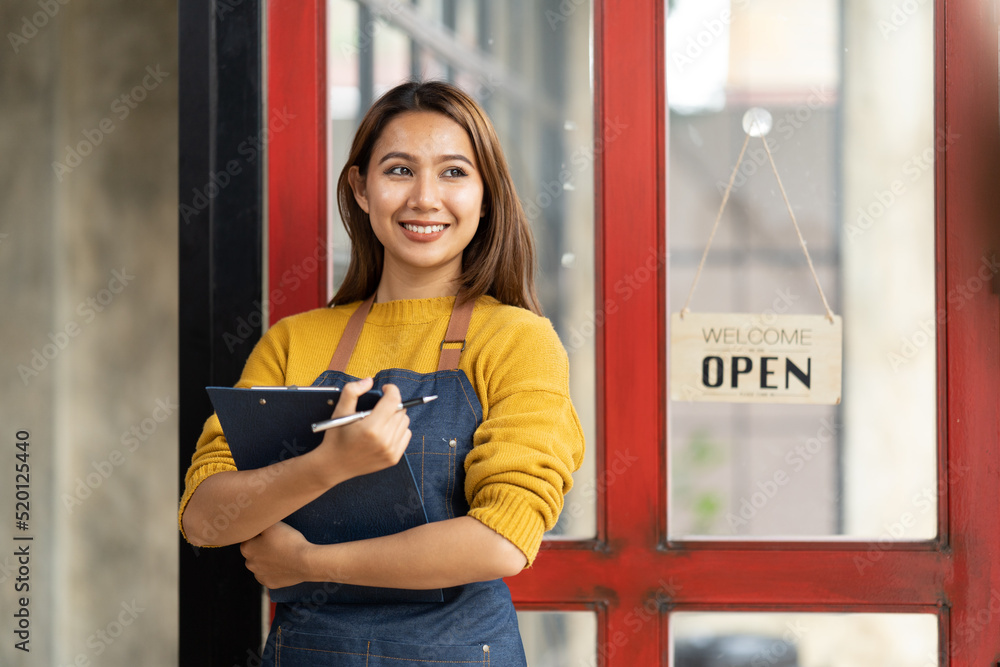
(357, 182)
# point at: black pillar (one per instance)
(220, 237)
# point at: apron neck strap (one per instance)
(458, 327)
(350, 336)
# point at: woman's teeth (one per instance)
(424, 229)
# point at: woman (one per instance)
(440, 251)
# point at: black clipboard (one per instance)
(264, 425)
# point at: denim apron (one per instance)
(476, 624)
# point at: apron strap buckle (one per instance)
(458, 326)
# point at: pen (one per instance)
(350, 419)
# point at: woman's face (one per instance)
(424, 195)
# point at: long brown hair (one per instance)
(500, 259)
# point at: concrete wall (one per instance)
(88, 276)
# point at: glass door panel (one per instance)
(529, 64)
(852, 137)
(559, 638)
(752, 639)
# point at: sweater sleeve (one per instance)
(530, 441)
(265, 366)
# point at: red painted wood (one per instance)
(296, 156)
(940, 178)
(732, 577)
(972, 210)
(631, 219)
(630, 575)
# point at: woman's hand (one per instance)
(376, 442)
(277, 557)
(269, 494)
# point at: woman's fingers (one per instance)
(400, 433)
(349, 394)
(388, 405)
(276, 556)
(376, 442)
(389, 424)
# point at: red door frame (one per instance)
(296, 156)
(631, 574)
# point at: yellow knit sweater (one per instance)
(530, 441)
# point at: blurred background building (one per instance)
(88, 258)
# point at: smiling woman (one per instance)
(441, 254)
(435, 156)
(424, 197)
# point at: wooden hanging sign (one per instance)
(744, 358)
(767, 358)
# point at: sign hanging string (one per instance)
(725, 199)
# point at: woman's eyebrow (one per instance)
(409, 158)
(456, 156)
(397, 154)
